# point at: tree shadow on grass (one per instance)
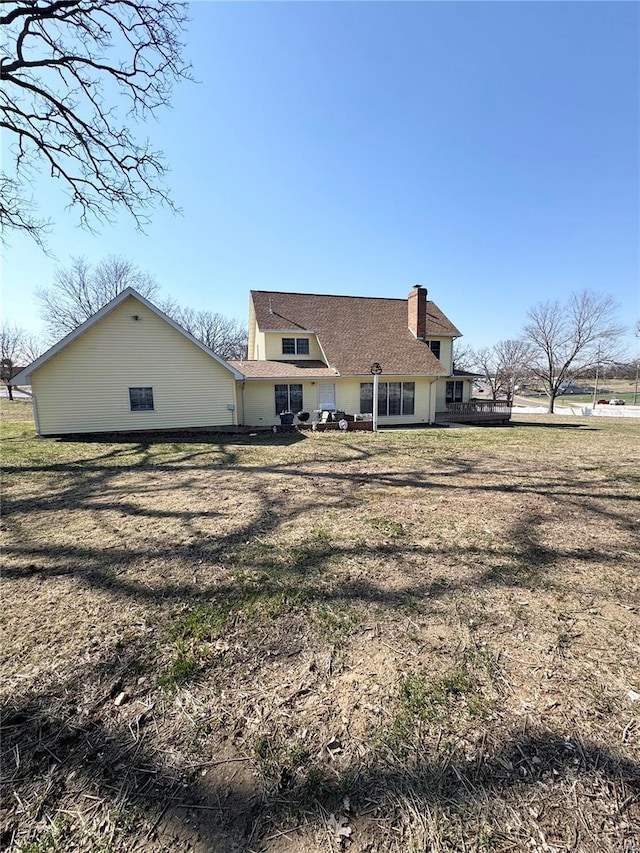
(73, 752)
(93, 477)
(582, 427)
(70, 751)
(292, 570)
(146, 440)
(521, 558)
(508, 782)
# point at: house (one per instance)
(315, 352)
(130, 367)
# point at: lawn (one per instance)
(405, 641)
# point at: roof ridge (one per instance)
(330, 295)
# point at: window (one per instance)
(295, 346)
(408, 397)
(454, 392)
(394, 392)
(288, 398)
(394, 398)
(434, 346)
(366, 398)
(141, 399)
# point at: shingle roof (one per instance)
(355, 331)
(284, 369)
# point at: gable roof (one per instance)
(354, 331)
(24, 377)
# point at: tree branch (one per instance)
(64, 54)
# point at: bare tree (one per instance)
(79, 290)
(503, 366)
(225, 336)
(67, 67)
(31, 348)
(464, 356)
(9, 351)
(17, 349)
(568, 339)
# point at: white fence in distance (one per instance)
(585, 411)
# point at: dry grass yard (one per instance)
(411, 641)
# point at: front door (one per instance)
(326, 396)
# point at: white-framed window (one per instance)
(141, 399)
(288, 398)
(394, 398)
(295, 346)
(454, 392)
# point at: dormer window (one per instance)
(295, 346)
(434, 346)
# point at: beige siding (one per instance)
(259, 403)
(441, 390)
(446, 353)
(272, 344)
(259, 400)
(253, 330)
(240, 401)
(85, 387)
(259, 347)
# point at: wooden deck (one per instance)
(490, 412)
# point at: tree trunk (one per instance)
(10, 390)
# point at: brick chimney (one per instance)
(417, 305)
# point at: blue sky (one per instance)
(487, 150)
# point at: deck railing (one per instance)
(477, 412)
